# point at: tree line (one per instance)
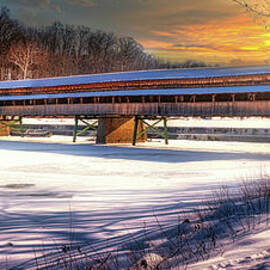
(62, 50)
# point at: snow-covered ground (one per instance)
(53, 192)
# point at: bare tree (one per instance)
(10, 30)
(129, 50)
(27, 56)
(62, 50)
(259, 9)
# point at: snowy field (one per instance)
(54, 192)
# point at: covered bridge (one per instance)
(123, 101)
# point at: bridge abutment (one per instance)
(8, 124)
(118, 130)
(4, 129)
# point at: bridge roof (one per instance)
(148, 92)
(186, 73)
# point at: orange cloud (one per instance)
(217, 42)
(154, 44)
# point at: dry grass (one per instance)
(195, 237)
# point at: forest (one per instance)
(62, 50)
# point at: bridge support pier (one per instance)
(8, 124)
(137, 135)
(88, 126)
(118, 130)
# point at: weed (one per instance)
(197, 236)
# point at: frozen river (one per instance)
(53, 191)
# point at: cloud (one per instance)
(236, 61)
(85, 3)
(34, 3)
(208, 30)
(193, 46)
(32, 7)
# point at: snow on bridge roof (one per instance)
(157, 92)
(184, 73)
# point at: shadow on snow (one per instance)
(128, 153)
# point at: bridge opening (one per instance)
(262, 96)
(138, 99)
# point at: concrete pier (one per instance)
(118, 130)
(4, 130)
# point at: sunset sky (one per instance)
(213, 31)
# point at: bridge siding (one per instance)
(207, 109)
(202, 77)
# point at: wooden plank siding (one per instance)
(204, 109)
(212, 95)
(257, 79)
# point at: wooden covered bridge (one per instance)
(123, 102)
